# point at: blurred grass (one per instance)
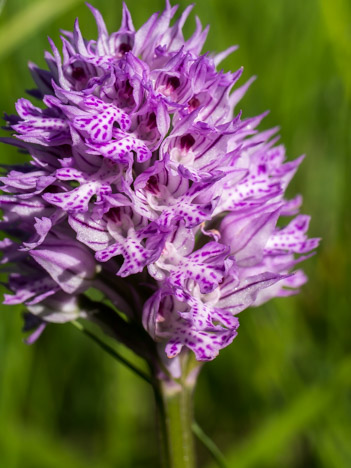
(280, 395)
(28, 21)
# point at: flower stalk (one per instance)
(162, 392)
(174, 399)
(178, 417)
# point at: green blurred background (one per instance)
(279, 396)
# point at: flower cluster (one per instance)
(144, 185)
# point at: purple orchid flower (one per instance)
(144, 185)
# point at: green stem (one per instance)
(176, 417)
(174, 398)
(174, 410)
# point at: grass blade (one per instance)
(210, 445)
(271, 438)
(31, 18)
(112, 352)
